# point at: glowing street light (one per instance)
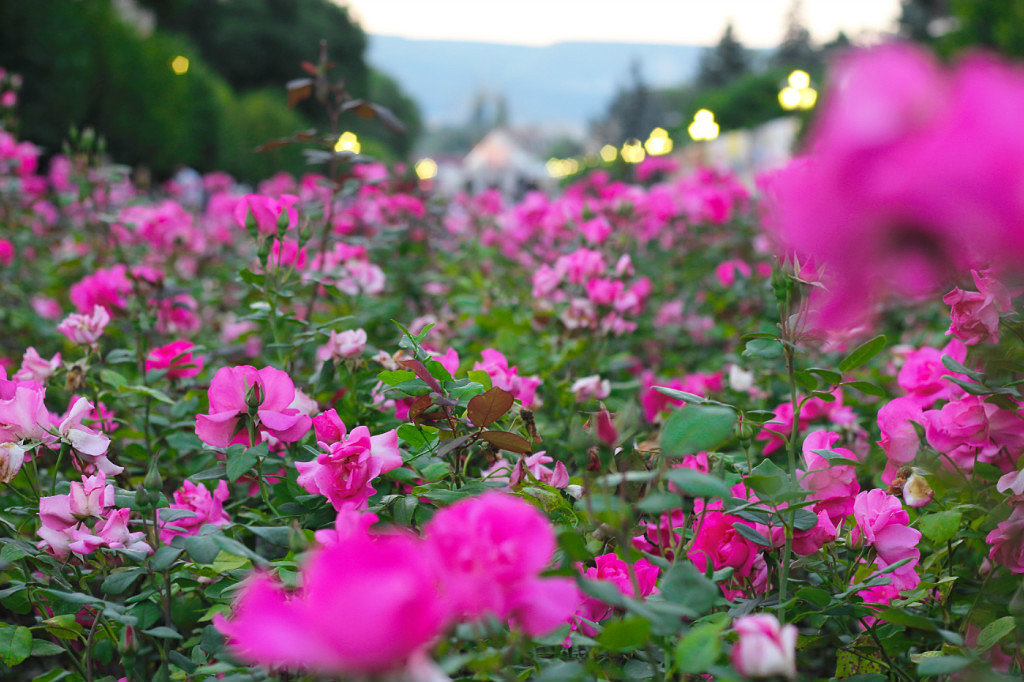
(703, 126)
(658, 143)
(609, 153)
(426, 169)
(633, 151)
(798, 94)
(562, 168)
(179, 65)
(347, 142)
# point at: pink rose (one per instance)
(882, 523)
(267, 212)
(270, 391)
(974, 317)
(367, 605)
(1006, 542)
(765, 648)
(344, 474)
(85, 329)
(176, 357)
(592, 387)
(490, 550)
(207, 507)
(340, 345)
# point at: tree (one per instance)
(796, 50)
(920, 19)
(723, 63)
(633, 112)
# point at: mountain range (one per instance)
(560, 85)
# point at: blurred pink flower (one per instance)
(765, 647)
(489, 551)
(85, 329)
(176, 357)
(367, 604)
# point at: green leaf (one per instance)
(863, 353)
(42, 647)
(163, 632)
(697, 484)
(828, 376)
(804, 519)
(814, 596)
(993, 632)
(240, 463)
(751, 534)
(151, 392)
(395, 377)
(693, 428)
(867, 388)
(117, 583)
(955, 366)
(626, 635)
(115, 379)
(940, 527)
(478, 376)
(684, 585)
(699, 649)
(164, 557)
(15, 644)
(201, 548)
(762, 348)
(767, 479)
(676, 394)
(942, 665)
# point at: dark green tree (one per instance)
(723, 63)
(633, 112)
(920, 20)
(260, 43)
(796, 51)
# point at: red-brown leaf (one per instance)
(507, 441)
(489, 407)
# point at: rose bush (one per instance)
(643, 428)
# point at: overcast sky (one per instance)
(759, 23)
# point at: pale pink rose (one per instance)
(344, 474)
(208, 509)
(490, 550)
(592, 387)
(115, 534)
(271, 391)
(176, 357)
(340, 345)
(974, 317)
(90, 497)
(367, 604)
(765, 648)
(23, 416)
(12, 456)
(85, 329)
(36, 368)
(89, 444)
(1013, 482)
(916, 491)
(1006, 542)
(535, 464)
